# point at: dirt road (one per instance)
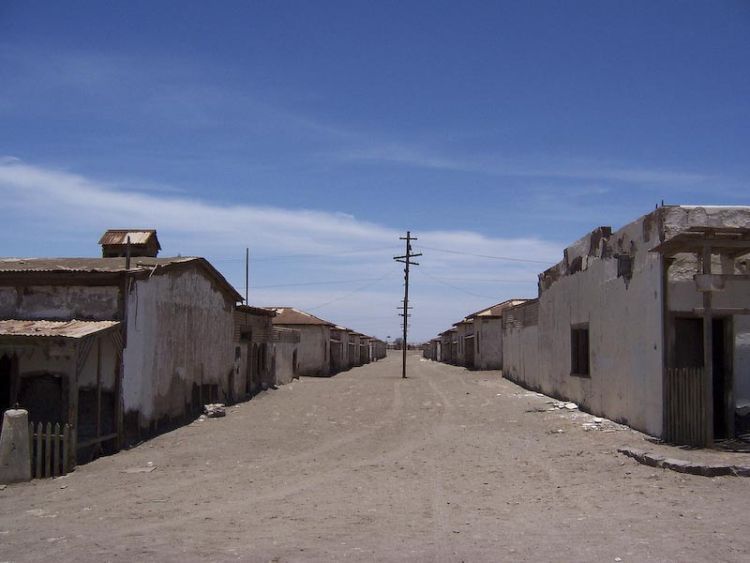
(448, 465)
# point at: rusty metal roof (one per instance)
(137, 236)
(48, 329)
(262, 311)
(140, 264)
(292, 316)
(87, 264)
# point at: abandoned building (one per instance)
(167, 338)
(64, 371)
(315, 339)
(253, 334)
(464, 336)
(488, 335)
(648, 325)
(284, 363)
(354, 356)
(339, 349)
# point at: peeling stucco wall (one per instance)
(283, 362)
(313, 350)
(179, 333)
(624, 315)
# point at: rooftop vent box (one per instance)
(143, 242)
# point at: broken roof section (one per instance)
(292, 316)
(55, 329)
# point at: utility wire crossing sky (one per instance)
(317, 133)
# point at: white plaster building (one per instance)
(648, 325)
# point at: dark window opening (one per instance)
(579, 351)
(624, 266)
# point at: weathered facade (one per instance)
(355, 357)
(339, 349)
(488, 335)
(66, 372)
(464, 336)
(379, 349)
(647, 325)
(254, 358)
(314, 356)
(285, 352)
(176, 325)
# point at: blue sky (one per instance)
(328, 128)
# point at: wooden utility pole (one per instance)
(406, 259)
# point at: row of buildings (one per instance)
(130, 344)
(648, 325)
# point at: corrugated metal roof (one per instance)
(86, 264)
(109, 265)
(64, 329)
(292, 316)
(137, 236)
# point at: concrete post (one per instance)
(15, 458)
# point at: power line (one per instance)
(294, 256)
(346, 295)
(456, 287)
(328, 282)
(507, 258)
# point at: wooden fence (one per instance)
(52, 449)
(686, 422)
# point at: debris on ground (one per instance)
(561, 405)
(148, 469)
(215, 410)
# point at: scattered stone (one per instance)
(3, 487)
(571, 406)
(215, 410)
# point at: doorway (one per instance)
(687, 352)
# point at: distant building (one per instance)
(315, 339)
(488, 335)
(253, 334)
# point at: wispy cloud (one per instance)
(540, 166)
(62, 205)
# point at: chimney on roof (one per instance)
(143, 242)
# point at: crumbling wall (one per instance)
(610, 283)
(179, 339)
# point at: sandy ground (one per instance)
(448, 465)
